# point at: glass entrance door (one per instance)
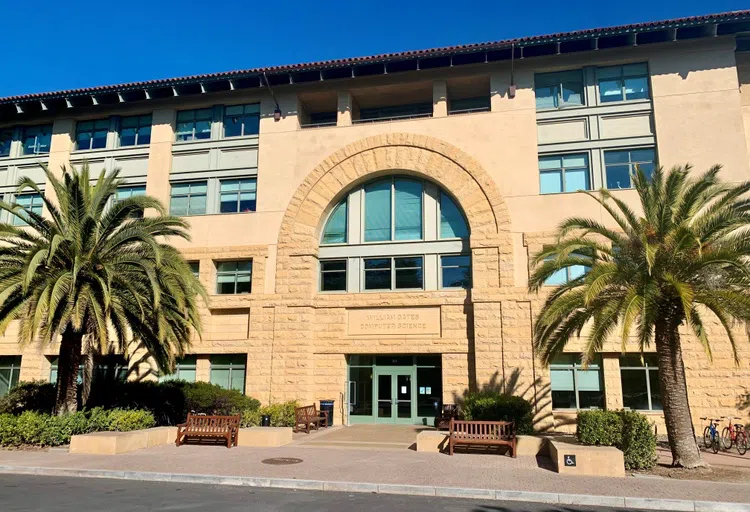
(395, 391)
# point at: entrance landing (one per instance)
(372, 437)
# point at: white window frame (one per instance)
(194, 121)
(235, 273)
(36, 151)
(363, 223)
(631, 164)
(440, 271)
(93, 130)
(563, 170)
(188, 195)
(137, 130)
(239, 192)
(14, 220)
(575, 367)
(13, 368)
(232, 367)
(622, 76)
(393, 273)
(321, 272)
(226, 116)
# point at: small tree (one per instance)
(96, 268)
(685, 257)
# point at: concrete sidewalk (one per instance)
(403, 472)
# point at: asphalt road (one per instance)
(26, 493)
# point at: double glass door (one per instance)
(395, 391)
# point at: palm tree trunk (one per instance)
(674, 395)
(67, 372)
(88, 375)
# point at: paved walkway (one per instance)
(367, 467)
(728, 458)
(372, 437)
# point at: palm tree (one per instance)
(97, 271)
(684, 258)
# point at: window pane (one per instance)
(618, 176)
(572, 93)
(546, 97)
(590, 399)
(634, 391)
(332, 265)
(83, 140)
(228, 203)
(244, 283)
(6, 137)
(220, 377)
(232, 126)
(642, 155)
(610, 90)
(452, 222)
(408, 209)
(197, 205)
(456, 277)
(409, 273)
(378, 211)
(203, 129)
(178, 206)
(616, 157)
(561, 380)
(144, 134)
(378, 280)
(636, 88)
(186, 374)
(577, 179)
(238, 379)
(378, 263)
(558, 278)
(576, 271)
(247, 202)
(335, 230)
(550, 162)
(127, 136)
(251, 124)
(589, 380)
(227, 266)
(234, 110)
(550, 182)
(333, 281)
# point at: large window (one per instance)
(335, 230)
(241, 120)
(452, 222)
(623, 83)
(188, 198)
(640, 382)
(10, 368)
(394, 273)
(238, 195)
(469, 105)
(567, 274)
(333, 275)
(228, 371)
(563, 173)
(108, 368)
(394, 233)
(184, 370)
(31, 202)
(92, 134)
(395, 112)
(6, 139)
(37, 139)
(620, 164)
(559, 90)
(455, 271)
(234, 277)
(135, 130)
(53, 370)
(195, 268)
(194, 124)
(574, 387)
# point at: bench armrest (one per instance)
(181, 425)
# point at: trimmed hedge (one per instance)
(282, 415)
(41, 429)
(629, 431)
(494, 406)
(170, 401)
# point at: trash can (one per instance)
(265, 420)
(327, 405)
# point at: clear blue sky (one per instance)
(52, 45)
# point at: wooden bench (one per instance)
(309, 416)
(487, 433)
(447, 412)
(198, 426)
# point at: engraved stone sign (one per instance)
(394, 321)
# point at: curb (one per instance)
(409, 490)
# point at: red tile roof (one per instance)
(386, 57)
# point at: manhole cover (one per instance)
(281, 461)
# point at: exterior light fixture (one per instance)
(276, 114)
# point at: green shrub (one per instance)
(282, 415)
(40, 429)
(495, 406)
(29, 396)
(126, 421)
(9, 435)
(638, 441)
(601, 428)
(629, 431)
(170, 401)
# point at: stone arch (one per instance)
(456, 172)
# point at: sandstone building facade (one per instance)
(365, 226)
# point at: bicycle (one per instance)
(711, 434)
(735, 435)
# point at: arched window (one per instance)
(335, 230)
(395, 233)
